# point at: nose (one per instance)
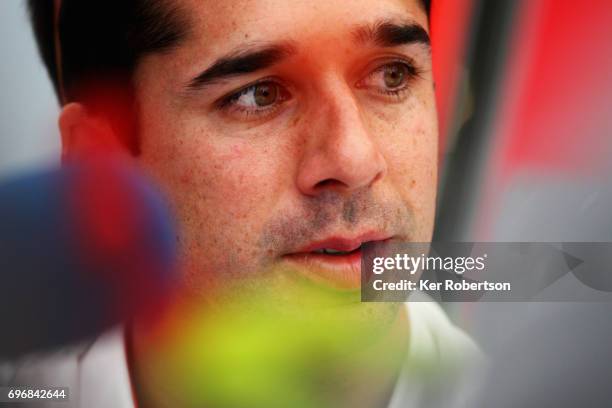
(340, 153)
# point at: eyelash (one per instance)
(227, 103)
(412, 73)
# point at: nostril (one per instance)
(327, 183)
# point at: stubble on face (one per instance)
(238, 218)
(330, 211)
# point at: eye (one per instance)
(395, 75)
(259, 98)
(390, 79)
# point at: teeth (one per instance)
(328, 251)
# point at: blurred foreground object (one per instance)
(82, 248)
(301, 344)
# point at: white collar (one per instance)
(104, 379)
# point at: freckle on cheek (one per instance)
(186, 177)
(295, 121)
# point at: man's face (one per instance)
(280, 129)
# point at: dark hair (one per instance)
(101, 42)
(104, 39)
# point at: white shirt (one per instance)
(98, 377)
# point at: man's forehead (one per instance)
(221, 33)
(223, 25)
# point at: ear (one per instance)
(84, 134)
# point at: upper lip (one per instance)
(343, 243)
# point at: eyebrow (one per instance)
(244, 61)
(387, 33)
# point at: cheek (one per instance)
(221, 190)
(412, 156)
(410, 147)
(203, 166)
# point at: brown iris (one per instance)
(395, 75)
(265, 94)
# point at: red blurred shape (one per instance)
(554, 121)
(114, 211)
(559, 90)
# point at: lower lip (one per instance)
(341, 271)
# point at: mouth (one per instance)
(334, 261)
